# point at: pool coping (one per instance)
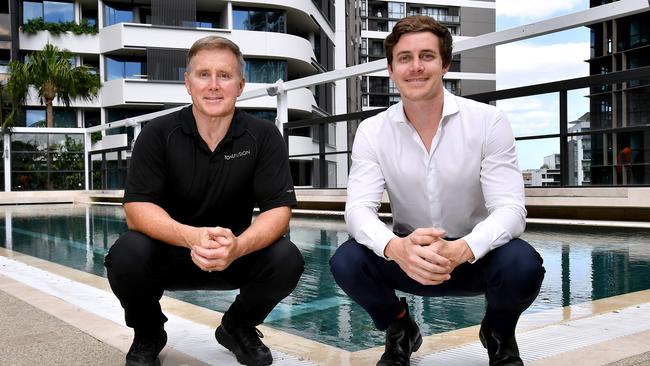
(303, 349)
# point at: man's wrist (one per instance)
(389, 249)
(467, 254)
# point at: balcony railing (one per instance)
(606, 166)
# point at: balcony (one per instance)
(252, 43)
(78, 44)
(142, 92)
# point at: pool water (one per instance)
(582, 264)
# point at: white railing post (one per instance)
(6, 154)
(282, 114)
(87, 160)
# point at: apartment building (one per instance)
(620, 156)
(139, 53)
(470, 72)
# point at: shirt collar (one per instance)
(188, 123)
(449, 107)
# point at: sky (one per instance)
(542, 59)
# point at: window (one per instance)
(58, 12)
(91, 118)
(396, 10)
(392, 87)
(32, 10)
(47, 161)
(63, 117)
(5, 57)
(114, 14)
(50, 11)
(265, 71)
(125, 68)
(89, 15)
(301, 172)
(35, 118)
(259, 20)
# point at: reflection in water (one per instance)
(581, 266)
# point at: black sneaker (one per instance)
(245, 343)
(145, 349)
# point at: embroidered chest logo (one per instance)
(237, 155)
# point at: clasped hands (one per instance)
(214, 248)
(426, 257)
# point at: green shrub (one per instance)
(38, 24)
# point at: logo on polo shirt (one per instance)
(237, 155)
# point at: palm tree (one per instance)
(53, 76)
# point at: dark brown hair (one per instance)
(420, 23)
(216, 43)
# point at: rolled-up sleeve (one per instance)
(366, 186)
(503, 190)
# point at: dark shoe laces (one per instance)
(250, 337)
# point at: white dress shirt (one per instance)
(468, 184)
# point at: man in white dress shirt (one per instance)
(457, 197)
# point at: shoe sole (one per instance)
(155, 363)
(225, 340)
(417, 344)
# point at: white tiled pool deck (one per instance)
(54, 315)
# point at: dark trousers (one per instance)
(509, 276)
(140, 269)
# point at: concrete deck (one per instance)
(54, 315)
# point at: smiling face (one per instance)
(213, 80)
(417, 67)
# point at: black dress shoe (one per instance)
(502, 349)
(402, 338)
(145, 348)
(245, 343)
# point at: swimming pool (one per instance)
(582, 264)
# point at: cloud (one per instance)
(525, 63)
(537, 9)
(531, 115)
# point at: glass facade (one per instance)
(47, 162)
(265, 71)
(114, 14)
(50, 11)
(63, 117)
(264, 20)
(125, 68)
(32, 10)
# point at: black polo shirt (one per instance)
(173, 167)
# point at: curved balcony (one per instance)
(252, 43)
(134, 91)
(142, 92)
(265, 44)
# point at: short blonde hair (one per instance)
(216, 43)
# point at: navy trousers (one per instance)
(509, 276)
(140, 269)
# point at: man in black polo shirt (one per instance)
(194, 179)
